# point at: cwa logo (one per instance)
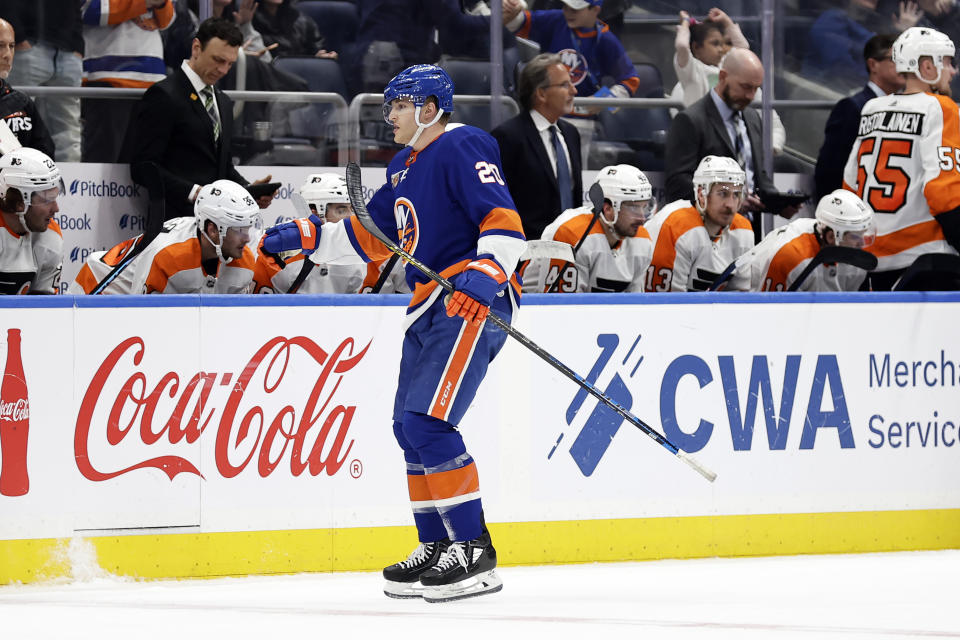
(132, 222)
(74, 223)
(104, 189)
(747, 395)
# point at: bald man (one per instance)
(17, 110)
(722, 124)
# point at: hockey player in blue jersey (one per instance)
(447, 203)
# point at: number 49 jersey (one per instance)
(905, 164)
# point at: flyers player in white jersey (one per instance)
(615, 250)
(693, 243)
(207, 253)
(31, 243)
(325, 196)
(841, 219)
(905, 163)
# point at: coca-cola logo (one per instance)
(312, 435)
(15, 411)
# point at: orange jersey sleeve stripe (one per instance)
(170, 260)
(372, 248)
(943, 192)
(665, 251)
(453, 483)
(632, 83)
(917, 234)
(501, 219)
(125, 83)
(524, 31)
(740, 222)
(573, 229)
(787, 259)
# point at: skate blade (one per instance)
(403, 590)
(478, 585)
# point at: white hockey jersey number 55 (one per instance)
(488, 173)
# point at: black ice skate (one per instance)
(464, 571)
(403, 578)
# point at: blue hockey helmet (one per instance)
(419, 82)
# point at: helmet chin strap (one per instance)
(216, 246)
(935, 80)
(421, 126)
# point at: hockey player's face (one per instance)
(213, 61)
(723, 201)
(43, 206)
(6, 48)
(337, 211)
(233, 242)
(402, 117)
(631, 217)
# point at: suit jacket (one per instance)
(529, 174)
(838, 138)
(698, 131)
(171, 128)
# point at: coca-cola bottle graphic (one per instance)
(14, 421)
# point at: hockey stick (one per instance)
(596, 199)
(835, 253)
(355, 192)
(305, 270)
(387, 268)
(156, 212)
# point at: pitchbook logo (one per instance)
(741, 383)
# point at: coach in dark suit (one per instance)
(539, 152)
(844, 121)
(722, 124)
(184, 124)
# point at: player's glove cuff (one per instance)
(301, 234)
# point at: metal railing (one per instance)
(348, 137)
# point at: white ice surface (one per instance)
(894, 595)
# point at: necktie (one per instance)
(736, 119)
(563, 172)
(211, 108)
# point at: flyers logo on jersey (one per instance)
(408, 229)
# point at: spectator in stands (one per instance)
(942, 15)
(49, 53)
(394, 34)
(693, 243)
(540, 151)
(178, 38)
(700, 46)
(123, 49)
(842, 125)
(16, 108)
(839, 35)
(723, 124)
(295, 34)
(587, 48)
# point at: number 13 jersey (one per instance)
(905, 164)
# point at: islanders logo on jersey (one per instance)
(408, 229)
(576, 63)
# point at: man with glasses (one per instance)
(540, 153)
(612, 249)
(30, 258)
(693, 243)
(841, 128)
